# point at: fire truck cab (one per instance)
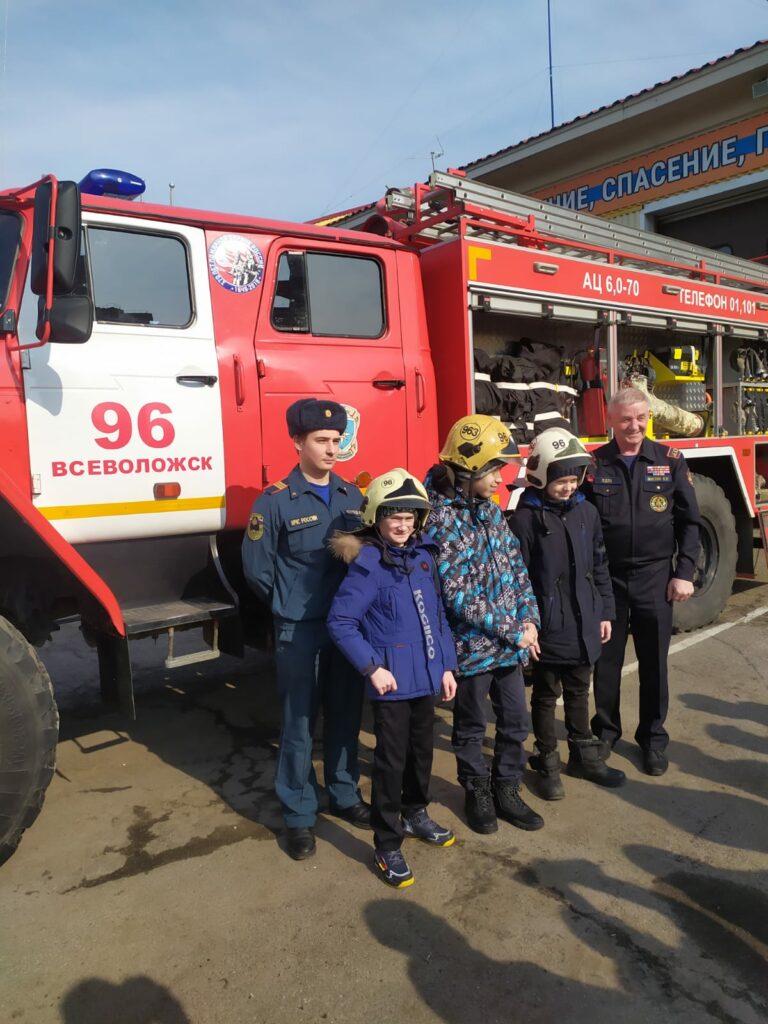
(150, 352)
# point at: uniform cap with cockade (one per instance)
(315, 414)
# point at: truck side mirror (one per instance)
(66, 234)
(71, 319)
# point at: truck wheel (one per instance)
(716, 568)
(29, 727)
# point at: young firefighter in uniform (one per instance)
(388, 620)
(288, 564)
(492, 613)
(562, 544)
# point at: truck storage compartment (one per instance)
(672, 361)
(526, 368)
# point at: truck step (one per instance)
(207, 654)
(148, 619)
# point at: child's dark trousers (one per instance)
(402, 765)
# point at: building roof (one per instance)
(742, 60)
(688, 78)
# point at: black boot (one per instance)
(587, 761)
(478, 805)
(547, 764)
(512, 808)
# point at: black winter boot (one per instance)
(547, 765)
(512, 808)
(587, 761)
(478, 805)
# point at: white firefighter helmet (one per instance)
(553, 454)
(395, 491)
(477, 444)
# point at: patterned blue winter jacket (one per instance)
(486, 590)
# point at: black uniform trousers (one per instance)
(470, 720)
(643, 609)
(547, 681)
(402, 765)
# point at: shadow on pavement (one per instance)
(724, 911)
(219, 726)
(459, 983)
(743, 710)
(745, 774)
(720, 915)
(740, 738)
(138, 1000)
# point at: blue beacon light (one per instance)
(116, 184)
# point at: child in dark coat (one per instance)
(387, 619)
(562, 544)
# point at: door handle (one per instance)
(239, 381)
(197, 378)
(421, 393)
(388, 384)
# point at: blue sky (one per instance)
(291, 109)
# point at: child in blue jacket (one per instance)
(387, 619)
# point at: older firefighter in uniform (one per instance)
(648, 511)
(288, 564)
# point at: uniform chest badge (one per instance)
(658, 503)
(256, 526)
(302, 521)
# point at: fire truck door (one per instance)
(333, 332)
(125, 432)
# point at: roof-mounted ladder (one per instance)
(591, 237)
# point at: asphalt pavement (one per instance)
(155, 886)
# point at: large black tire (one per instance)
(29, 729)
(716, 568)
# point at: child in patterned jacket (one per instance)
(493, 615)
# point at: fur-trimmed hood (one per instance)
(347, 546)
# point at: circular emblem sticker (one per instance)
(235, 263)
(659, 503)
(348, 442)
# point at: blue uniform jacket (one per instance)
(648, 514)
(562, 544)
(285, 549)
(488, 595)
(388, 612)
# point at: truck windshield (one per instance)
(10, 233)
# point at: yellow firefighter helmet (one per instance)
(477, 444)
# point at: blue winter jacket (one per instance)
(388, 612)
(487, 593)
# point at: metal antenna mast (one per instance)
(551, 87)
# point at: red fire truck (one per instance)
(150, 352)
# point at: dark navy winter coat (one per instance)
(562, 545)
(387, 612)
